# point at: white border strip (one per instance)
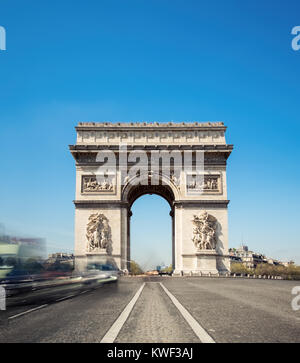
(114, 330)
(197, 328)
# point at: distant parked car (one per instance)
(164, 270)
(169, 273)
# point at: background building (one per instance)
(251, 259)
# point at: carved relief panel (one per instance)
(209, 184)
(90, 184)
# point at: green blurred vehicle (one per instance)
(8, 258)
(18, 256)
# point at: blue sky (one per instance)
(154, 60)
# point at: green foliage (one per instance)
(135, 269)
(266, 269)
(168, 269)
(291, 272)
(239, 268)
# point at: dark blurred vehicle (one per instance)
(165, 273)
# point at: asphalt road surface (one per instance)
(162, 310)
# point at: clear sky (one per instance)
(154, 60)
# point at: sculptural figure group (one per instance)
(204, 231)
(98, 232)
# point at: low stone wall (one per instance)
(228, 275)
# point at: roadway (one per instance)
(161, 310)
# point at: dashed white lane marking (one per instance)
(65, 298)
(42, 306)
(114, 330)
(84, 292)
(28, 311)
(197, 328)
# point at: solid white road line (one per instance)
(197, 328)
(114, 330)
(28, 311)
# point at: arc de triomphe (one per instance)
(115, 166)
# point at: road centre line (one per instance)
(196, 327)
(114, 330)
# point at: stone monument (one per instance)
(198, 205)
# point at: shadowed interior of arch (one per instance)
(151, 232)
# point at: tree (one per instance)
(291, 272)
(239, 268)
(168, 269)
(135, 269)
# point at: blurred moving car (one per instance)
(100, 269)
(105, 268)
(27, 280)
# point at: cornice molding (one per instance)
(100, 204)
(201, 203)
(122, 204)
(123, 126)
(209, 147)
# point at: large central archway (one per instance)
(166, 189)
(151, 239)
